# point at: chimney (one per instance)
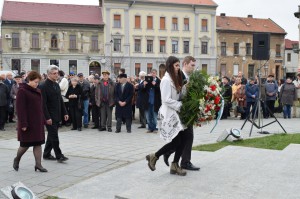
(250, 16)
(223, 14)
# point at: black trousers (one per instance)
(96, 115)
(127, 121)
(52, 141)
(3, 116)
(142, 117)
(76, 114)
(271, 105)
(177, 145)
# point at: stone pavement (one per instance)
(93, 154)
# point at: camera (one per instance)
(149, 79)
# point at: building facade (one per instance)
(140, 35)
(235, 46)
(291, 58)
(36, 35)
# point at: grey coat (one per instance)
(271, 90)
(288, 94)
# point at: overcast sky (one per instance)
(280, 11)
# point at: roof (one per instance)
(289, 43)
(186, 2)
(248, 24)
(51, 13)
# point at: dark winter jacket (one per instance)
(251, 89)
(30, 114)
(125, 96)
(4, 94)
(77, 91)
(288, 94)
(85, 89)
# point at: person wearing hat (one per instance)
(271, 93)
(105, 100)
(95, 108)
(14, 91)
(251, 96)
(227, 95)
(123, 100)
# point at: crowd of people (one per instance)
(58, 99)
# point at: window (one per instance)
(204, 68)
(149, 46)
(95, 42)
(117, 45)
(117, 67)
(203, 47)
(186, 47)
(15, 40)
(149, 68)
(248, 49)
(117, 21)
(235, 69)
(204, 25)
(162, 23)
(278, 54)
(289, 57)
(223, 48)
(137, 68)
(223, 69)
(16, 65)
(236, 49)
(149, 22)
(186, 23)
(73, 66)
(35, 65)
(53, 41)
(137, 22)
(174, 46)
(250, 70)
(137, 45)
(35, 40)
(72, 41)
(174, 23)
(54, 62)
(162, 46)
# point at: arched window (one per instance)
(53, 41)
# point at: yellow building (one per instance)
(140, 35)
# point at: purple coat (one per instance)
(30, 114)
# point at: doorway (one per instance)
(95, 68)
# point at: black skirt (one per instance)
(29, 144)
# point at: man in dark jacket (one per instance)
(251, 96)
(9, 82)
(95, 108)
(227, 95)
(86, 95)
(53, 105)
(4, 96)
(142, 98)
(123, 101)
(154, 102)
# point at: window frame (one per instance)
(95, 42)
(137, 45)
(117, 21)
(184, 47)
(186, 26)
(137, 23)
(162, 48)
(35, 41)
(117, 45)
(149, 22)
(204, 48)
(150, 45)
(15, 41)
(204, 26)
(174, 25)
(54, 41)
(72, 42)
(236, 48)
(175, 49)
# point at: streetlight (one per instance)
(111, 50)
(266, 67)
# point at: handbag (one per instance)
(240, 109)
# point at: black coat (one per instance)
(53, 104)
(157, 95)
(93, 95)
(126, 96)
(4, 95)
(9, 85)
(142, 96)
(77, 91)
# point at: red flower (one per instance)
(217, 100)
(213, 87)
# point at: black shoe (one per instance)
(109, 130)
(166, 158)
(11, 121)
(16, 164)
(50, 157)
(117, 131)
(2, 129)
(79, 129)
(86, 126)
(67, 124)
(41, 169)
(190, 166)
(62, 159)
(102, 129)
(72, 129)
(141, 127)
(128, 131)
(95, 127)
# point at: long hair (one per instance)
(177, 78)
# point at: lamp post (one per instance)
(111, 50)
(266, 70)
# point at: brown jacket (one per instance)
(99, 93)
(240, 96)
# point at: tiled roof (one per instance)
(51, 13)
(248, 24)
(187, 2)
(289, 43)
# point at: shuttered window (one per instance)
(149, 22)
(204, 25)
(117, 21)
(137, 22)
(162, 23)
(137, 69)
(186, 24)
(174, 23)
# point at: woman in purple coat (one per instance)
(30, 129)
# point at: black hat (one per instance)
(22, 73)
(18, 76)
(97, 77)
(80, 75)
(271, 75)
(123, 75)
